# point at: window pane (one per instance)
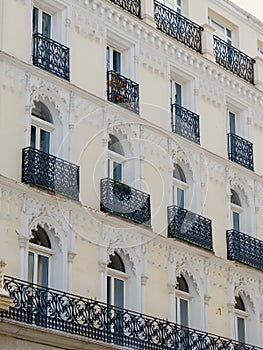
(31, 267)
(46, 24)
(178, 91)
(184, 312)
(109, 296)
(117, 171)
(42, 270)
(241, 336)
(116, 61)
(180, 198)
(35, 20)
(108, 58)
(33, 137)
(118, 292)
(44, 141)
(232, 122)
(236, 221)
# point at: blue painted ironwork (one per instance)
(188, 226)
(177, 26)
(64, 312)
(123, 91)
(132, 6)
(244, 248)
(185, 123)
(122, 200)
(234, 60)
(46, 171)
(51, 56)
(240, 151)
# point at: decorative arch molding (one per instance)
(180, 157)
(126, 255)
(243, 185)
(124, 133)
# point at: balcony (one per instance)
(131, 6)
(234, 60)
(185, 123)
(240, 151)
(77, 315)
(124, 201)
(51, 173)
(190, 227)
(123, 91)
(244, 249)
(178, 27)
(51, 56)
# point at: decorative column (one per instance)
(228, 202)
(261, 329)
(206, 302)
(207, 292)
(144, 280)
(71, 257)
(258, 73)
(23, 242)
(5, 299)
(102, 270)
(147, 12)
(208, 42)
(231, 320)
(171, 288)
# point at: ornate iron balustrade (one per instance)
(53, 309)
(51, 173)
(244, 248)
(240, 151)
(188, 226)
(132, 6)
(125, 201)
(177, 26)
(234, 60)
(50, 55)
(185, 123)
(123, 91)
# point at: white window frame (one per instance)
(115, 274)
(118, 158)
(175, 5)
(40, 124)
(181, 295)
(244, 316)
(221, 30)
(42, 10)
(183, 186)
(237, 209)
(43, 251)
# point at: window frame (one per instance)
(40, 124)
(243, 315)
(181, 295)
(115, 274)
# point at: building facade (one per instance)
(131, 181)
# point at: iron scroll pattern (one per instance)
(234, 60)
(245, 249)
(127, 202)
(49, 172)
(178, 27)
(61, 311)
(132, 6)
(185, 123)
(240, 151)
(188, 226)
(123, 91)
(51, 56)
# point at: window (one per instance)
(176, 91)
(176, 5)
(236, 210)
(221, 30)
(182, 302)
(39, 257)
(41, 22)
(113, 59)
(116, 281)
(115, 159)
(240, 320)
(179, 186)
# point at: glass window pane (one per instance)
(241, 336)
(184, 312)
(178, 91)
(44, 141)
(109, 296)
(31, 267)
(118, 292)
(116, 61)
(35, 20)
(42, 270)
(236, 221)
(46, 24)
(180, 198)
(232, 122)
(33, 137)
(108, 58)
(117, 171)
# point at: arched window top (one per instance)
(39, 237)
(114, 145)
(182, 284)
(239, 304)
(42, 112)
(178, 173)
(116, 263)
(235, 198)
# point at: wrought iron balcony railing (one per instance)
(234, 60)
(244, 248)
(190, 227)
(64, 312)
(132, 6)
(50, 55)
(125, 201)
(178, 27)
(240, 151)
(46, 171)
(185, 123)
(123, 91)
